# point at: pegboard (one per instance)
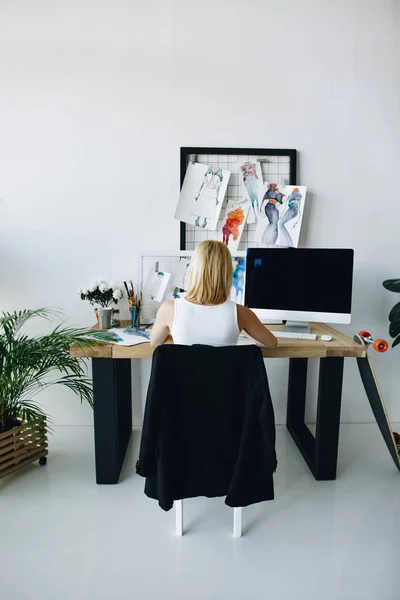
(277, 166)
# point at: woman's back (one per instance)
(215, 325)
(206, 315)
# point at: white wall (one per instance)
(97, 98)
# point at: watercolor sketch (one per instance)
(234, 222)
(238, 279)
(281, 215)
(138, 331)
(181, 274)
(290, 220)
(159, 286)
(109, 336)
(202, 195)
(155, 286)
(267, 227)
(252, 186)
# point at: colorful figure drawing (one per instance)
(208, 194)
(250, 180)
(273, 197)
(234, 220)
(293, 209)
(238, 278)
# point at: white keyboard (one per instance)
(295, 336)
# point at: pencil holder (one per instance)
(132, 310)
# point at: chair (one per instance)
(208, 429)
(237, 519)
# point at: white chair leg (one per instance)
(237, 522)
(179, 517)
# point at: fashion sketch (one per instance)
(207, 199)
(202, 194)
(157, 285)
(251, 182)
(272, 198)
(290, 220)
(292, 211)
(238, 279)
(233, 222)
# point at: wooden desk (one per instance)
(113, 403)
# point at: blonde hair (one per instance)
(210, 273)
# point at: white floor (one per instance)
(64, 537)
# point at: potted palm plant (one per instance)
(29, 365)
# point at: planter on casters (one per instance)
(22, 445)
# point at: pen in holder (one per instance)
(133, 315)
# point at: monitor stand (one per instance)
(297, 327)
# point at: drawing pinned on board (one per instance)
(289, 224)
(252, 187)
(234, 222)
(281, 215)
(156, 285)
(181, 274)
(267, 226)
(238, 279)
(202, 195)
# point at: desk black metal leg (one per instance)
(296, 407)
(320, 453)
(112, 415)
(328, 417)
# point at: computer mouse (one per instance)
(326, 338)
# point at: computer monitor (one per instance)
(300, 284)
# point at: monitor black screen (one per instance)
(299, 279)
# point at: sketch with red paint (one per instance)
(233, 222)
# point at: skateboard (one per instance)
(374, 395)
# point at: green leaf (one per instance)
(396, 341)
(393, 285)
(30, 365)
(394, 328)
(394, 314)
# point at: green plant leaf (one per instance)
(393, 285)
(396, 341)
(394, 328)
(30, 365)
(394, 314)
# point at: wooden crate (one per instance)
(22, 445)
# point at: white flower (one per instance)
(93, 286)
(117, 294)
(79, 291)
(84, 291)
(103, 287)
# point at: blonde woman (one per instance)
(206, 315)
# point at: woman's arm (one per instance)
(162, 327)
(252, 325)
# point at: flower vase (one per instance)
(105, 315)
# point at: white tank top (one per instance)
(199, 324)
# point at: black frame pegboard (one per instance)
(189, 153)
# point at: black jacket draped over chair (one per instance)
(209, 427)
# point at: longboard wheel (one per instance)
(380, 345)
(364, 334)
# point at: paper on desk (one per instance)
(130, 336)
